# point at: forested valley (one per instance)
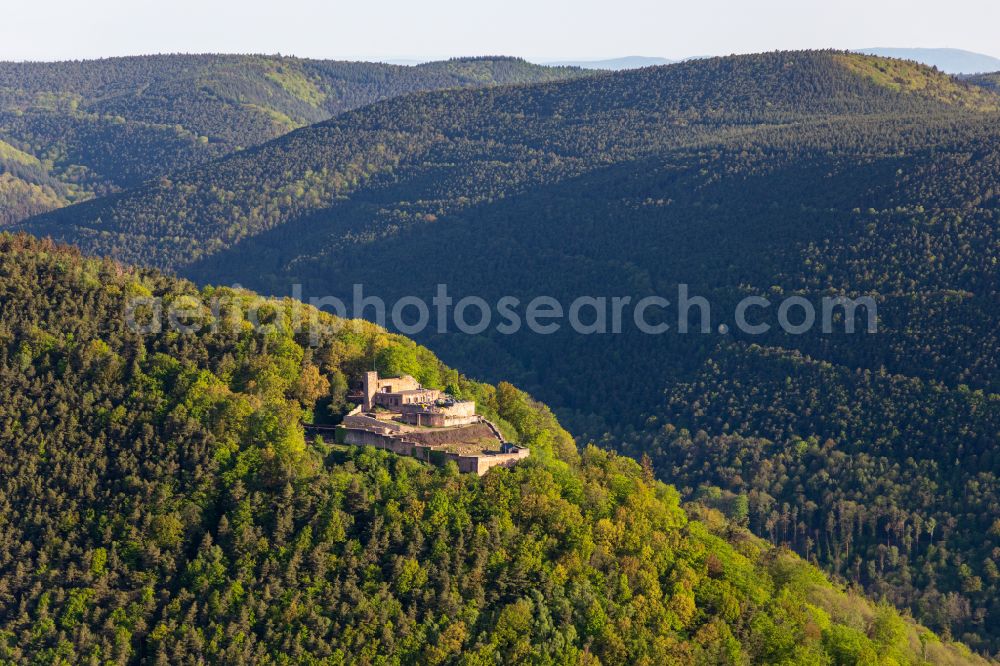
(163, 504)
(806, 173)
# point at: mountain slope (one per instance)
(91, 127)
(808, 174)
(560, 130)
(163, 504)
(989, 81)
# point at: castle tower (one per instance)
(370, 389)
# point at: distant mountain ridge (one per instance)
(72, 130)
(615, 64)
(738, 91)
(950, 61)
(988, 81)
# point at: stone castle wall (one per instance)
(357, 420)
(399, 445)
(437, 420)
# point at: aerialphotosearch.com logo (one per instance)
(509, 315)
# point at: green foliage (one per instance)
(396, 361)
(813, 174)
(989, 81)
(805, 173)
(910, 77)
(135, 540)
(71, 130)
(849, 646)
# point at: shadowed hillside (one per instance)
(508, 139)
(988, 81)
(95, 126)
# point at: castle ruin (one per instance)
(400, 415)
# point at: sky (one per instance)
(535, 29)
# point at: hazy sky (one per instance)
(536, 29)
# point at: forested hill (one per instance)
(537, 135)
(69, 130)
(162, 504)
(809, 174)
(989, 81)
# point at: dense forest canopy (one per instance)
(447, 151)
(990, 81)
(162, 504)
(805, 173)
(70, 130)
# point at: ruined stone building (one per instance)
(400, 415)
(415, 404)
